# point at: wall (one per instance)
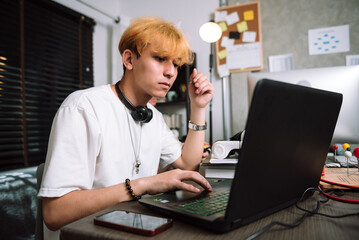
(285, 26)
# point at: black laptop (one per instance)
(288, 133)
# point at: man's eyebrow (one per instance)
(177, 61)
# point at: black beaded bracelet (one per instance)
(130, 191)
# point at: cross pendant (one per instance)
(137, 167)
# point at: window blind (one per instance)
(45, 54)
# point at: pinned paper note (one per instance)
(248, 15)
(249, 36)
(223, 26)
(242, 26)
(220, 16)
(223, 70)
(232, 18)
(227, 42)
(222, 54)
(234, 35)
(244, 56)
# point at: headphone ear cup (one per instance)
(149, 115)
(142, 114)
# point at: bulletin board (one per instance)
(240, 47)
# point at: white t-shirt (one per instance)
(94, 141)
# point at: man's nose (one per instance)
(170, 70)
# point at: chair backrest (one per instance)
(39, 231)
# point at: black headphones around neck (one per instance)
(140, 113)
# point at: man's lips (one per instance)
(165, 85)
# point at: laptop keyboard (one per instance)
(205, 206)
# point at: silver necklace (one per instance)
(136, 153)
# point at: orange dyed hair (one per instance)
(166, 39)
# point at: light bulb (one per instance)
(210, 32)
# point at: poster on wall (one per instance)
(329, 40)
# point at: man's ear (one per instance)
(127, 59)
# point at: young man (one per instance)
(105, 135)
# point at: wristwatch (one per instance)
(197, 127)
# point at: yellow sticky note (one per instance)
(248, 15)
(222, 54)
(242, 26)
(223, 26)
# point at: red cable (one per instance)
(337, 198)
(339, 184)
